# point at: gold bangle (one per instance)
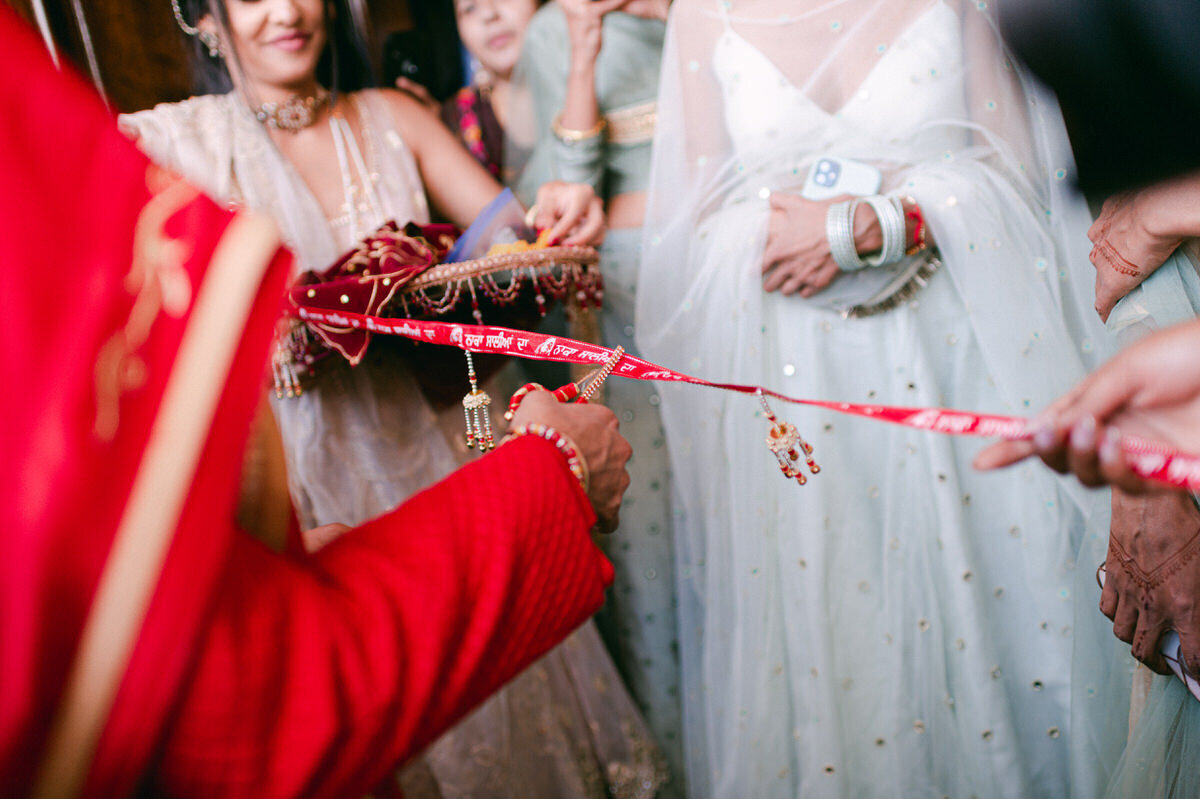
(571, 136)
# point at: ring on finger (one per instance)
(1101, 573)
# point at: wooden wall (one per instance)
(140, 51)
(138, 48)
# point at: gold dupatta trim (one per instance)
(633, 124)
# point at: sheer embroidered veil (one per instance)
(1003, 141)
(752, 93)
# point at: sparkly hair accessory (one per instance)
(207, 38)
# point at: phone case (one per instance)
(832, 177)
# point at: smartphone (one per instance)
(409, 54)
(831, 176)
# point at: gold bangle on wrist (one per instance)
(573, 136)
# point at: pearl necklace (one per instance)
(294, 114)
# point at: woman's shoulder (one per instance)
(197, 137)
(399, 103)
(180, 115)
(402, 111)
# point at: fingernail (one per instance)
(1043, 421)
(1083, 435)
(1110, 446)
(1043, 434)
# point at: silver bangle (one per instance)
(900, 240)
(839, 230)
(891, 226)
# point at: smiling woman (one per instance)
(281, 46)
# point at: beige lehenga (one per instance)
(364, 439)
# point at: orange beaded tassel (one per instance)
(786, 444)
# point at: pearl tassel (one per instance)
(475, 409)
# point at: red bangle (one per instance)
(912, 211)
(571, 390)
(563, 394)
(575, 461)
(515, 401)
(566, 393)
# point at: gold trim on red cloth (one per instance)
(158, 282)
(160, 488)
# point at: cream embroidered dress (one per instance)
(365, 439)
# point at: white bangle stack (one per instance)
(891, 224)
(839, 229)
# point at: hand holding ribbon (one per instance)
(1103, 429)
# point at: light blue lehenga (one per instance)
(902, 626)
(638, 620)
(1163, 753)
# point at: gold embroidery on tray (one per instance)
(158, 283)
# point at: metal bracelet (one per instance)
(839, 230)
(891, 226)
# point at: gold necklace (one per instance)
(294, 114)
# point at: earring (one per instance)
(480, 76)
(207, 38)
(786, 444)
(475, 409)
(210, 40)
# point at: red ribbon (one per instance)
(1149, 459)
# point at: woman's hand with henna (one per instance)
(1137, 231)
(1152, 575)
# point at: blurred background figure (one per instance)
(493, 33)
(1127, 75)
(150, 644)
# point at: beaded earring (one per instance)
(211, 41)
(207, 38)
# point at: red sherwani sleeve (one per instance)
(317, 678)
